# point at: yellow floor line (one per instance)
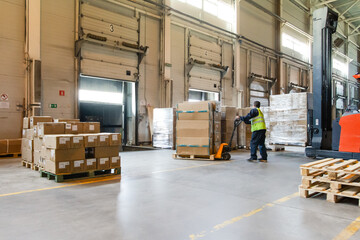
(349, 231)
(238, 218)
(101, 179)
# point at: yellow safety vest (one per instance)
(258, 122)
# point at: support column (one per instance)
(33, 58)
(167, 61)
(237, 66)
(279, 69)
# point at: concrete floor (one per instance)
(161, 198)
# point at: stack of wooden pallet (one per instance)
(337, 178)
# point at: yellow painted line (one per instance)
(61, 186)
(238, 218)
(349, 231)
(102, 179)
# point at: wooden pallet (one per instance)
(10, 155)
(82, 175)
(30, 165)
(195, 157)
(337, 178)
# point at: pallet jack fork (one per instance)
(225, 148)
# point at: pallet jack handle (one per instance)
(237, 122)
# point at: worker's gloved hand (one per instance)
(241, 118)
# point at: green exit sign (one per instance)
(53, 105)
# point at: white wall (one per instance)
(12, 66)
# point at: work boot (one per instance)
(263, 160)
(252, 160)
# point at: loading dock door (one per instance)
(103, 35)
(206, 50)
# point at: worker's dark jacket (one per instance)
(253, 113)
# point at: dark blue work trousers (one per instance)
(258, 140)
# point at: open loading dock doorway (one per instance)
(110, 102)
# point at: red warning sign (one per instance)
(4, 97)
(61, 93)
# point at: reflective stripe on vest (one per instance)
(258, 122)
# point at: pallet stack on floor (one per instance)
(337, 178)
(68, 146)
(198, 130)
(10, 147)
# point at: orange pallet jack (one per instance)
(225, 148)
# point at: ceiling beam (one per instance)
(323, 3)
(354, 30)
(351, 6)
(349, 20)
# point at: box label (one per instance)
(63, 140)
(74, 127)
(77, 139)
(63, 165)
(91, 139)
(115, 159)
(68, 126)
(78, 163)
(90, 162)
(103, 160)
(114, 137)
(91, 127)
(103, 138)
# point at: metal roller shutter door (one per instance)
(204, 78)
(109, 58)
(258, 89)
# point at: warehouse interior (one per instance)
(125, 119)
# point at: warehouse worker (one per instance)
(258, 129)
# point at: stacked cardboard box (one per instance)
(164, 127)
(9, 146)
(60, 147)
(198, 128)
(228, 115)
(288, 118)
(29, 131)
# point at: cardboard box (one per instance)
(115, 139)
(58, 155)
(199, 106)
(74, 128)
(115, 162)
(29, 134)
(103, 163)
(58, 167)
(57, 141)
(206, 115)
(66, 120)
(27, 155)
(77, 141)
(90, 164)
(101, 152)
(27, 144)
(77, 166)
(104, 139)
(194, 128)
(199, 151)
(50, 128)
(38, 143)
(90, 140)
(37, 157)
(193, 142)
(26, 123)
(36, 119)
(14, 145)
(228, 113)
(3, 146)
(44, 154)
(91, 127)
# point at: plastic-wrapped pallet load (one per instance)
(288, 118)
(198, 128)
(228, 115)
(163, 127)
